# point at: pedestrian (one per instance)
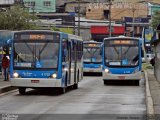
(152, 61)
(5, 66)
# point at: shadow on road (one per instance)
(123, 82)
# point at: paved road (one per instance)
(92, 97)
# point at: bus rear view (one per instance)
(121, 59)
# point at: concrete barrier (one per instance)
(149, 100)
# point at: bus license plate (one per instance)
(34, 81)
(121, 77)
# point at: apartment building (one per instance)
(6, 3)
(41, 6)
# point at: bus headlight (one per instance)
(15, 75)
(54, 75)
(106, 70)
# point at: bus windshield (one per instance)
(121, 54)
(40, 54)
(92, 55)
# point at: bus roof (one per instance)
(69, 35)
(92, 41)
(122, 37)
(36, 31)
(75, 37)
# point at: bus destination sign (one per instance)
(122, 42)
(35, 37)
(92, 45)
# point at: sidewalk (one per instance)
(154, 87)
(5, 86)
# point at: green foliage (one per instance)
(55, 29)
(65, 30)
(155, 19)
(16, 18)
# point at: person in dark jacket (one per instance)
(5, 66)
(152, 61)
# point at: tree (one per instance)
(16, 18)
(155, 19)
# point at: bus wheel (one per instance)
(22, 90)
(63, 90)
(105, 82)
(75, 86)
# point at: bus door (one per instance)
(65, 61)
(70, 62)
(73, 60)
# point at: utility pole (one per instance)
(133, 20)
(110, 27)
(33, 10)
(78, 17)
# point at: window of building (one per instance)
(30, 4)
(47, 3)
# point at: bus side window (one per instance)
(65, 50)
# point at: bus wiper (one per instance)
(43, 48)
(39, 57)
(116, 51)
(126, 50)
(29, 48)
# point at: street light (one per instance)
(133, 20)
(110, 27)
(78, 10)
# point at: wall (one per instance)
(70, 7)
(157, 61)
(40, 8)
(95, 11)
(118, 10)
(6, 2)
(128, 9)
(84, 33)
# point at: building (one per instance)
(40, 6)
(70, 5)
(98, 33)
(62, 2)
(96, 11)
(73, 7)
(6, 3)
(137, 25)
(118, 10)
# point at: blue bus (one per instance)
(46, 59)
(122, 59)
(92, 59)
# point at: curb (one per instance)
(7, 89)
(149, 100)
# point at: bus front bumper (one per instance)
(35, 82)
(98, 70)
(134, 76)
